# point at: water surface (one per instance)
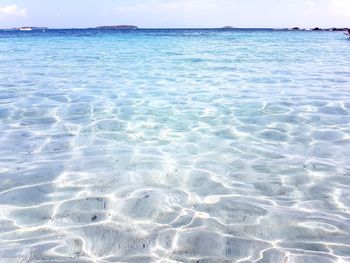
(174, 146)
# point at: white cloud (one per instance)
(341, 7)
(172, 5)
(309, 3)
(178, 13)
(12, 10)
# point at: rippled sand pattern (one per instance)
(174, 146)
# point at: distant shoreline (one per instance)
(135, 28)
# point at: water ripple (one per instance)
(155, 147)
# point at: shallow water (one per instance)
(174, 146)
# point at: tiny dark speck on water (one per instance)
(94, 218)
(144, 245)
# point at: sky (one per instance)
(175, 13)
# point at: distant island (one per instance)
(293, 28)
(228, 27)
(127, 27)
(316, 29)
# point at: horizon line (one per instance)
(137, 27)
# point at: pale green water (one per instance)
(174, 146)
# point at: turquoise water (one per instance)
(174, 146)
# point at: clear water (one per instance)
(174, 146)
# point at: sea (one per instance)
(174, 145)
